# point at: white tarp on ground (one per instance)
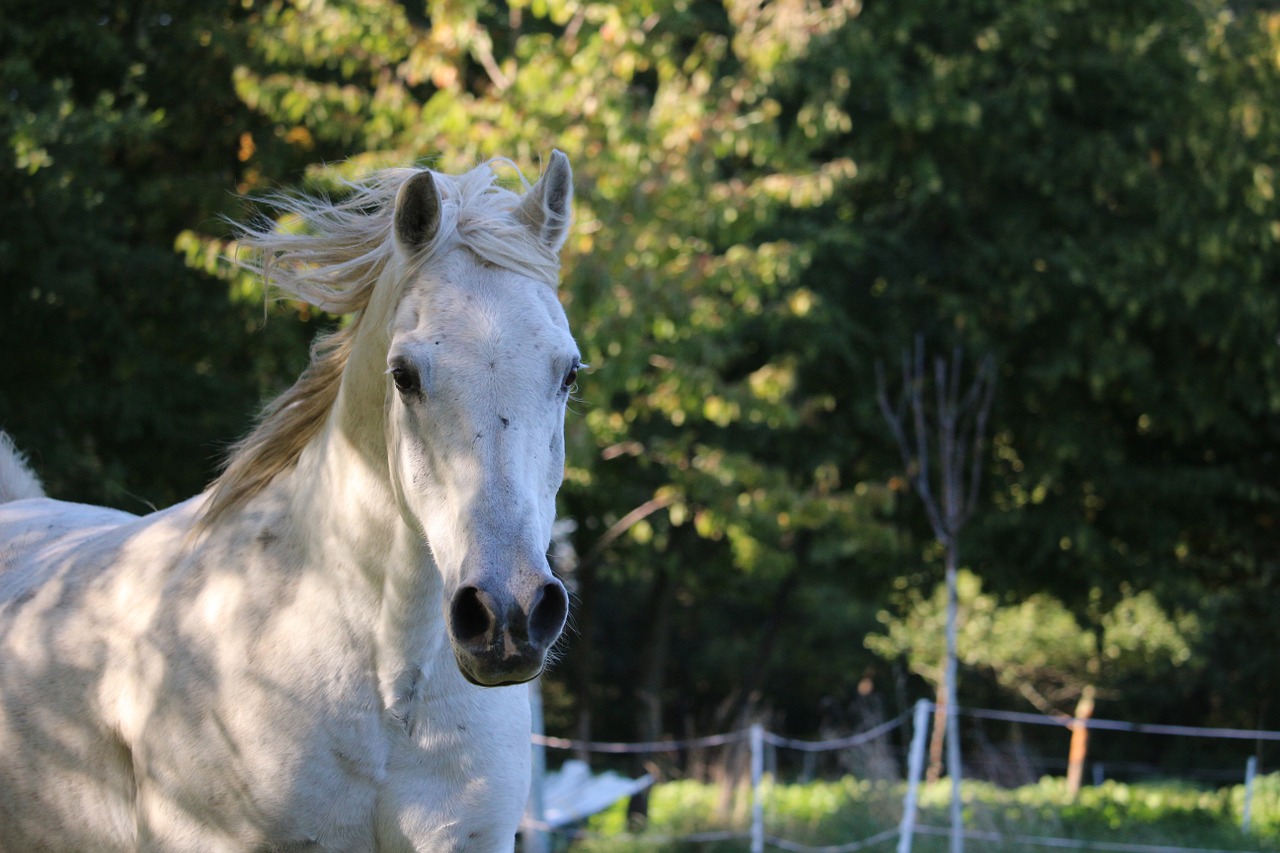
(572, 793)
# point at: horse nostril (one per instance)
(549, 613)
(470, 615)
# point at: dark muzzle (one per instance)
(500, 637)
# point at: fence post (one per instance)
(757, 773)
(915, 767)
(1250, 771)
(954, 771)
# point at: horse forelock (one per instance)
(333, 255)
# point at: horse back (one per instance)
(51, 737)
(27, 526)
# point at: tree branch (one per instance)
(624, 524)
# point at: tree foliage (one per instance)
(1035, 647)
(122, 369)
(771, 198)
(1085, 190)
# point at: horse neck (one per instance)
(344, 501)
(344, 480)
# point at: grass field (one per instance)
(1169, 814)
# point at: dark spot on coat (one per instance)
(505, 422)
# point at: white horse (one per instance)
(317, 653)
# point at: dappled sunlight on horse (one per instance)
(323, 650)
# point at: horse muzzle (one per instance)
(502, 637)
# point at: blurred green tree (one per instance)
(1036, 648)
(770, 197)
(696, 469)
(1086, 190)
(121, 368)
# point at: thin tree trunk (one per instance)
(959, 431)
(758, 666)
(737, 708)
(938, 736)
(586, 575)
(953, 709)
(653, 664)
(1079, 741)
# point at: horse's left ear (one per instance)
(417, 212)
(548, 205)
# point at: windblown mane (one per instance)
(17, 480)
(334, 261)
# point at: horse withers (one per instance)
(321, 651)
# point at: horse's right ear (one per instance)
(548, 205)
(417, 212)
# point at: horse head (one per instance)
(479, 368)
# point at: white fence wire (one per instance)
(537, 831)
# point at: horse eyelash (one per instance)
(573, 389)
(574, 398)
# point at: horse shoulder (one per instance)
(257, 685)
(65, 771)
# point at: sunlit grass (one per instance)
(1172, 814)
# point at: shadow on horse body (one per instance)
(323, 650)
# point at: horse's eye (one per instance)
(406, 379)
(571, 378)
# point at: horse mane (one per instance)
(333, 259)
(17, 480)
